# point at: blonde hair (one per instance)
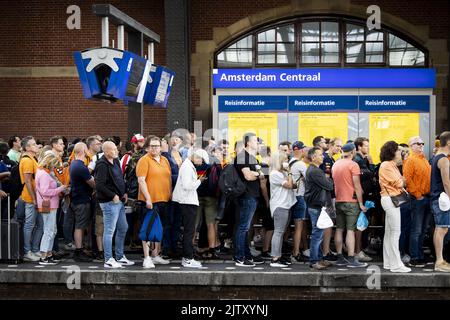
(43, 151)
(49, 161)
(277, 160)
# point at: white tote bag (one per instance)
(324, 220)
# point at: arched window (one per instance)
(314, 42)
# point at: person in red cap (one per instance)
(138, 143)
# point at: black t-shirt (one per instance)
(246, 160)
(79, 175)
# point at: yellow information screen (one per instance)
(264, 125)
(328, 125)
(399, 127)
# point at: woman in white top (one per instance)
(282, 198)
(185, 193)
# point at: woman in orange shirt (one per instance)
(392, 184)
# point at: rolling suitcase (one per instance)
(11, 239)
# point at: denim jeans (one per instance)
(316, 237)
(32, 229)
(405, 212)
(48, 237)
(114, 219)
(419, 225)
(246, 209)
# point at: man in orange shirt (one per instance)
(155, 189)
(33, 225)
(417, 172)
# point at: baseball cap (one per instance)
(137, 137)
(298, 145)
(348, 147)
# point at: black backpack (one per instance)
(230, 183)
(131, 180)
(16, 183)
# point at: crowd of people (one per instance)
(207, 199)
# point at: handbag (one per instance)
(400, 199)
(45, 204)
(324, 221)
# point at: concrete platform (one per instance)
(219, 279)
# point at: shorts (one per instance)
(209, 206)
(441, 218)
(82, 214)
(299, 209)
(347, 215)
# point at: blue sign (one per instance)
(394, 104)
(323, 103)
(325, 78)
(159, 85)
(252, 103)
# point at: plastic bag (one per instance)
(324, 220)
(363, 222)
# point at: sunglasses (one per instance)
(419, 143)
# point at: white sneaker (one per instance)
(112, 263)
(406, 258)
(160, 260)
(148, 263)
(125, 262)
(306, 253)
(37, 254)
(190, 263)
(362, 257)
(30, 256)
(402, 269)
(69, 246)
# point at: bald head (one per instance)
(110, 150)
(416, 144)
(80, 150)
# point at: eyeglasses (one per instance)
(419, 143)
(155, 146)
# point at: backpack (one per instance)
(230, 183)
(131, 180)
(151, 228)
(16, 183)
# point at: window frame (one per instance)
(342, 43)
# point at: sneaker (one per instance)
(256, 260)
(406, 258)
(341, 261)
(160, 260)
(298, 258)
(112, 263)
(190, 263)
(54, 258)
(286, 260)
(361, 256)
(125, 262)
(325, 263)
(354, 263)
(443, 267)
(416, 263)
(317, 266)
(243, 263)
(80, 256)
(31, 257)
(330, 258)
(306, 253)
(266, 255)
(148, 263)
(278, 263)
(37, 254)
(402, 269)
(47, 262)
(70, 247)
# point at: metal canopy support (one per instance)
(151, 52)
(121, 37)
(105, 32)
(119, 18)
